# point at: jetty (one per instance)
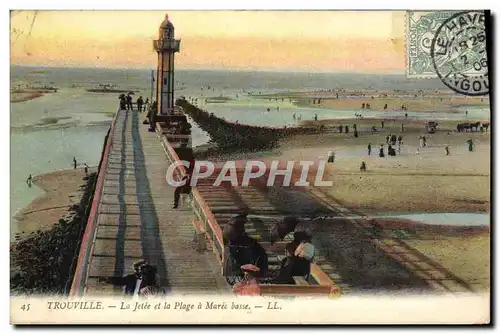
(132, 219)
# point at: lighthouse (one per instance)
(166, 46)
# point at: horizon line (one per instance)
(221, 69)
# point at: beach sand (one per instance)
(62, 190)
(468, 257)
(428, 182)
(22, 97)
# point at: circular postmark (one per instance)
(458, 53)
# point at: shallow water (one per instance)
(47, 132)
(449, 219)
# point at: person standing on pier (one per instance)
(140, 102)
(123, 102)
(184, 189)
(129, 102)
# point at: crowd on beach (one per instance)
(392, 141)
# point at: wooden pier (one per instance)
(134, 219)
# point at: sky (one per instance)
(369, 41)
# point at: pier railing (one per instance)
(207, 223)
(201, 209)
(87, 243)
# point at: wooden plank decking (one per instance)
(136, 219)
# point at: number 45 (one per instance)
(25, 307)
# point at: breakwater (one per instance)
(229, 135)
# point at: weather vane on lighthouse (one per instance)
(166, 46)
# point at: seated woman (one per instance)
(234, 228)
(297, 262)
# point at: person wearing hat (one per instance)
(132, 282)
(249, 286)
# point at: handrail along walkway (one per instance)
(79, 279)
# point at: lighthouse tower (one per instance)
(166, 46)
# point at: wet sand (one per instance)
(25, 96)
(428, 181)
(62, 190)
(415, 101)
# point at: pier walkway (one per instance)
(134, 220)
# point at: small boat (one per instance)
(107, 89)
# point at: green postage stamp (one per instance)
(450, 45)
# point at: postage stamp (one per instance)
(421, 28)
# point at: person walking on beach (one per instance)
(315, 117)
(369, 148)
(447, 150)
(421, 141)
(471, 145)
(74, 163)
(381, 152)
(86, 169)
(362, 168)
(425, 141)
(29, 181)
(387, 139)
(382, 123)
(331, 156)
(402, 127)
